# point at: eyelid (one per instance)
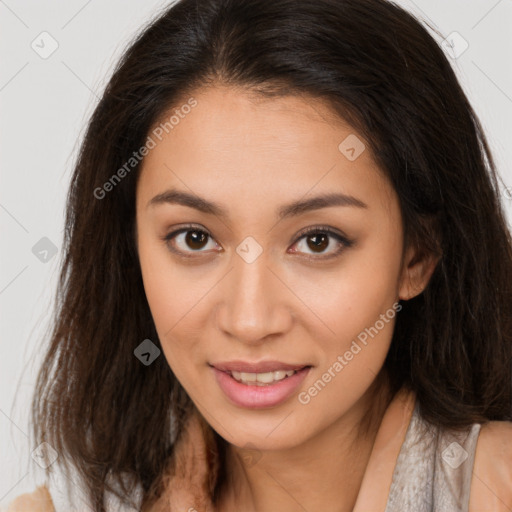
(323, 229)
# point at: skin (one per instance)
(252, 156)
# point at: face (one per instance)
(241, 263)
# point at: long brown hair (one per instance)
(379, 69)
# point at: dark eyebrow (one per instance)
(293, 209)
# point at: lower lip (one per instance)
(257, 397)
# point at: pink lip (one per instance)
(258, 397)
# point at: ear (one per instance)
(418, 266)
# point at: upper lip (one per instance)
(261, 367)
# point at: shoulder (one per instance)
(491, 483)
(36, 501)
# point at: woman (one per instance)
(296, 204)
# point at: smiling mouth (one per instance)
(262, 389)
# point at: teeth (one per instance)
(261, 379)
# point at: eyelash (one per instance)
(344, 241)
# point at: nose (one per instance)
(254, 303)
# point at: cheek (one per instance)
(171, 297)
(158, 282)
(360, 306)
(351, 298)
(363, 320)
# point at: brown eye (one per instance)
(314, 242)
(195, 239)
(317, 241)
(188, 240)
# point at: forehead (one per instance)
(234, 144)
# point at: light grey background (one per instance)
(45, 103)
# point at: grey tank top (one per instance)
(434, 468)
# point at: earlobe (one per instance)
(418, 267)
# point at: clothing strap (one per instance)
(434, 468)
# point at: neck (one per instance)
(325, 470)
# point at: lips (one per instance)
(257, 395)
